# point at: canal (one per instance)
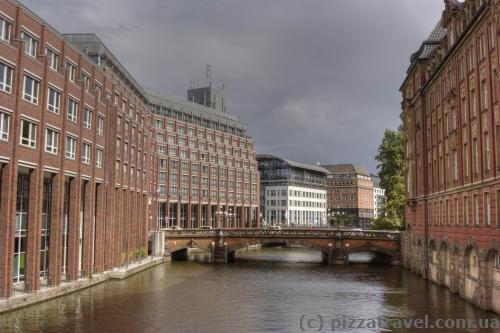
(265, 290)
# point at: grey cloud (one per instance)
(314, 80)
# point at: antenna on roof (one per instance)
(191, 84)
(209, 75)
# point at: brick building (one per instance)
(452, 153)
(91, 164)
(350, 194)
(207, 173)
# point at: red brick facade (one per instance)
(452, 154)
(92, 208)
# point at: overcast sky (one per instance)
(314, 80)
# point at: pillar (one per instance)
(73, 229)
(88, 228)
(188, 223)
(198, 213)
(178, 214)
(8, 190)
(56, 229)
(243, 217)
(208, 213)
(257, 217)
(32, 282)
(100, 232)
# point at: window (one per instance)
(86, 153)
(6, 77)
(486, 144)
(72, 110)
(53, 57)
(86, 83)
(455, 211)
(466, 211)
(487, 209)
(100, 125)
(98, 158)
(473, 102)
(484, 95)
(475, 210)
(71, 68)
(70, 147)
(4, 126)
(480, 47)
(53, 100)
(51, 141)
(5, 28)
(87, 118)
(470, 59)
(498, 209)
(28, 133)
(31, 89)
(30, 43)
(475, 157)
(491, 36)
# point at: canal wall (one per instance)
(466, 269)
(26, 299)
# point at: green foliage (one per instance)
(390, 160)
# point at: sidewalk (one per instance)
(46, 293)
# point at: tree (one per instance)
(390, 160)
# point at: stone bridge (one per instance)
(334, 244)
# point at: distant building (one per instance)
(350, 194)
(378, 196)
(292, 194)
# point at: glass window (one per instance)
(70, 147)
(4, 126)
(51, 140)
(30, 43)
(5, 28)
(28, 133)
(87, 118)
(98, 158)
(71, 68)
(53, 100)
(86, 153)
(53, 57)
(31, 89)
(100, 125)
(6, 77)
(72, 110)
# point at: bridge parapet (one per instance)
(288, 233)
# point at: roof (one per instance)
(93, 46)
(295, 164)
(428, 47)
(346, 168)
(176, 103)
(375, 180)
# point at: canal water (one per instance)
(265, 290)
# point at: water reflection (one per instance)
(265, 290)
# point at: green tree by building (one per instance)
(390, 158)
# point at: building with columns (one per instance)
(207, 172)
(451, 121)
(292, 194)
(86, 154)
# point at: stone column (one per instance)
(56, 229)
(117, 241)
(35, 198)
(188, 216)
(73, 229)
(208, 217)
(8, 190)
(88, 227)
(99, 229)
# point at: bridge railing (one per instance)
(288, 233)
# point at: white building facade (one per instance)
(293, 194)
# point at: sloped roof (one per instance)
(346, 168)
(295, 164)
